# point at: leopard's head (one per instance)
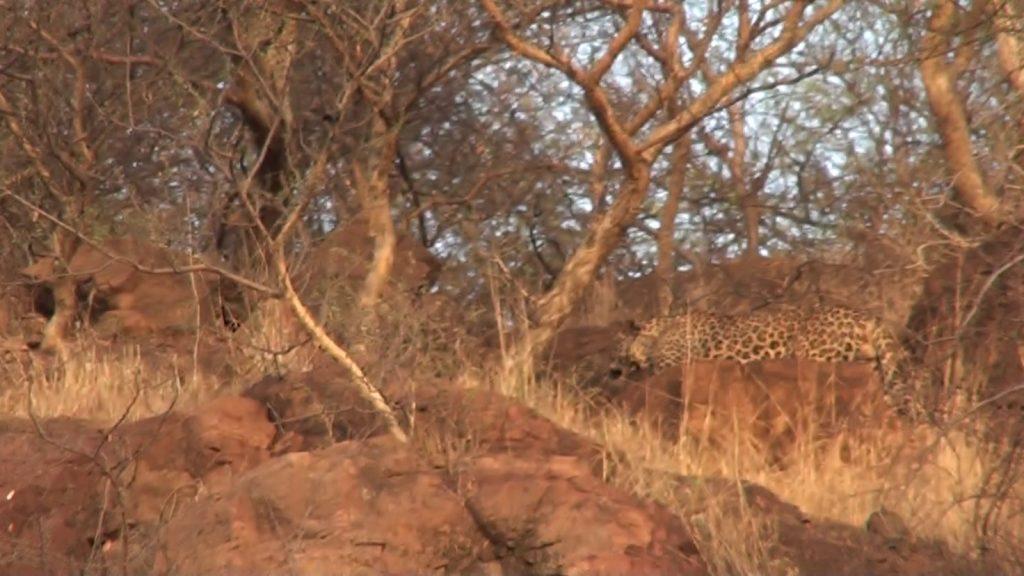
(636, 350)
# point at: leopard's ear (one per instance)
(634, 326)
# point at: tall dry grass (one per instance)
(80, 385)
(946, 482)
(101, 383)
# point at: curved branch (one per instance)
(588, 81)
(617, 45)
(366, 389)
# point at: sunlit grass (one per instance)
(946, 484)
(941, 481)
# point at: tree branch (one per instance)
(950, 115)
(738, 74)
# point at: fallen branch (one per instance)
(366, 389)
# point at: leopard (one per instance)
(825, 333)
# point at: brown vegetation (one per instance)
(773, 404)
(394, 242)
(123, 286)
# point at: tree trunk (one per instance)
(259, 90)
(581, 268)
(65, 308)
(64, 287)
(949, 112)
(742, 188)
(375, 198)
(665, 269)
(1009, 50)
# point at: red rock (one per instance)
(775, 402)
(67, 497)
(805, 545)
(320, 406)
(356, 507)
(50, 494)
(553, 516)
(495, 423)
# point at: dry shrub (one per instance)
(736, 541)
(421, 333)
(274, 340)
(102, 383)
(948, 483)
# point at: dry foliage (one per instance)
(433, 190)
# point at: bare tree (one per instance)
(637, 154)
(971, 289)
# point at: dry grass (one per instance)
(641, 461)
(105, 383)
(945, 483)
(274, 341)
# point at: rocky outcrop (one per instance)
(75, 495)
(534, 511)
(355, 507)
(487, 486)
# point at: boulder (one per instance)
(494, 424)
(75, 493)
(316, 408)
(553, 516)
(51, 495)
(368, 507)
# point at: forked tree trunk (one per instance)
(607, 229)
(581, 269)
(384, 132)
(966, 313)
(950, 114)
